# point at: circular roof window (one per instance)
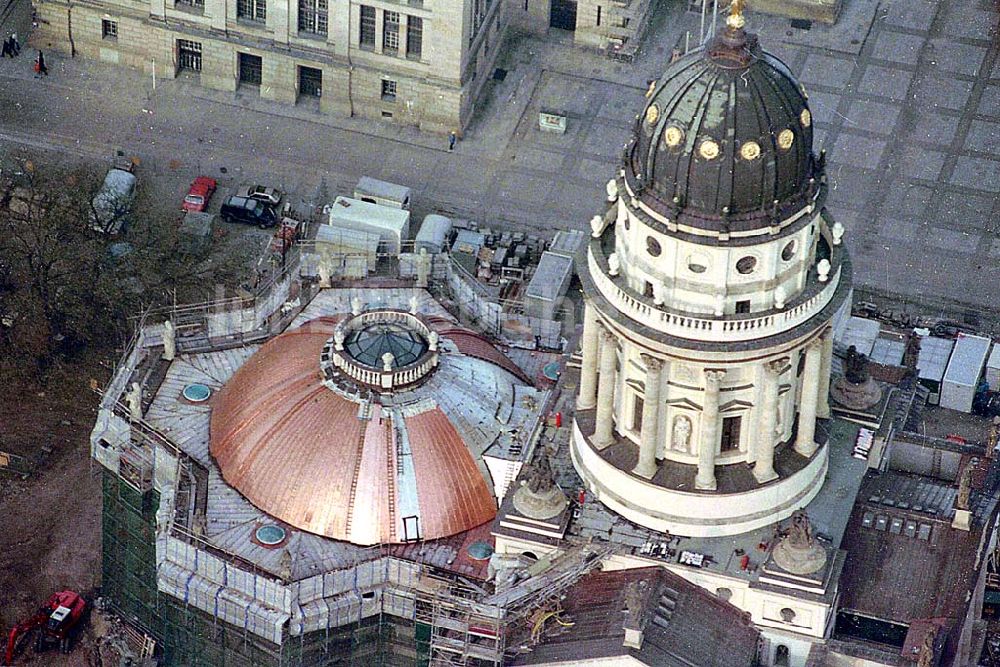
(746, 264)
(270, 534)
(480, 551)
(197, 393)
(369, 344)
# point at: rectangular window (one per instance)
(250, 68)
(188, 55)
(191, 4)
(109, 29)
(367, 27)
(252, 10)
(310, 82)
(730, 434)
(388, 90)
(742, 307)
(414, 37)
(313, 16)
(390, 32)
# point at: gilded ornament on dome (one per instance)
(709, 149)
(750, 150)
(672, 136)
(785, 139)
(652, 113)
(806, 118)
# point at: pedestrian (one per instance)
(15, 45)
(40, 67)
(6, 49)
(452, 138)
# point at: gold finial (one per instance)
(735, 19)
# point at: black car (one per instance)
(248, 211)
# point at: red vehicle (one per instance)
(198, 195)
(58, 622)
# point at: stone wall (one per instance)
(437, 92)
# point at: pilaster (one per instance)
(825, 368)
(805, 443)
(709, 442)
(587, 397)
(763, 470)
(649, 436)
(604, 431)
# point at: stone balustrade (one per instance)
(805, 305)
(376, 377)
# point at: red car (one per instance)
(199, 194)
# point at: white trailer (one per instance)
(392, 225)
(958, 389)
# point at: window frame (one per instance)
(414, 36)
(314, 17)
(367, 25)
(109, 30)
(389, 90)
(390, 32)
(254, 11)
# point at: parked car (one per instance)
(111, 205)
(248, 211)
(267, 195)
(198, 194)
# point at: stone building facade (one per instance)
(421, 63)
(711, 286)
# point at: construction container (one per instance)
(958, 388)
(993, 368)
(548, 285)
(392, 225)
(932, 363)
(383, 193)
(433, 234)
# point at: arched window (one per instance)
(781, 656)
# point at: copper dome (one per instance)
(328, 465)
(725, 139)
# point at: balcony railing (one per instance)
(807, 303)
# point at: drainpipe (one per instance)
(69, 29)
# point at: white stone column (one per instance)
(587, 397)
(763, 470)
(709, 432)
(649, 436)
(604, 431)
(805, 443)
(825, 368)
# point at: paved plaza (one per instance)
(905, 95)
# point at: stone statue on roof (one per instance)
(800, 534)
(855, 366)
(540, 480)
(798, 552)
(539, 497)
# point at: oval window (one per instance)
(788, 251)
(695, 267)
(746, 264)
(653, 247)
(787, 615)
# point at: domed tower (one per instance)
(710, 289)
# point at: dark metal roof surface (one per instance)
(732, 94)
(683, 623)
